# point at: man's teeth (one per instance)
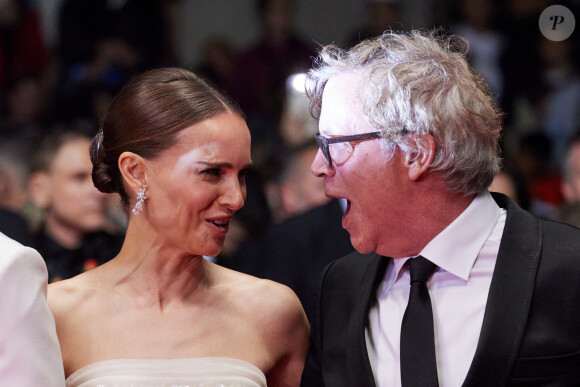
(220, 222)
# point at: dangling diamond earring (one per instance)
(138, 208)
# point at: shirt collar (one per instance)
(456, 247)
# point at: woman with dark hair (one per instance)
(177, 152)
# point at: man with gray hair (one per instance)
(450, 285)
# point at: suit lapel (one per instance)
(357, 354)
(509, 298)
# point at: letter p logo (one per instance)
(557, 23)
(557, 20)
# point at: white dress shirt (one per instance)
(465, 252)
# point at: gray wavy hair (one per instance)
(421, 83)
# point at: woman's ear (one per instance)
(132, 169)
(418, 163)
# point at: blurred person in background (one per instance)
(258, 78)
(559, 108)
(520, 59)
(22, 46)
(503, 183)
(24, 111)
(511, 184)
(533, 160)
(381, 15)
(297, 126)
(14, 221)
(72, 237)
(102, 44)
(476, 24)
(217, 62)
(569, 212)
(571, 172)
(298, 189)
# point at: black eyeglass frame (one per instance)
(323, 142)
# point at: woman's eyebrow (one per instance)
(223, 165)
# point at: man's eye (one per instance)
(81, 176)
(245, 172)
(212, 172)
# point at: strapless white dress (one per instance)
(190, 372)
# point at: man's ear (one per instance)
(132, 169)
(40, 189)
(418, 163)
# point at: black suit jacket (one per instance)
(531, 327)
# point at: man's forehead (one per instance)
(71, 169)
(72, 156)
(342, 106)
(343, 86)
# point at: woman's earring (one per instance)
(138, 208)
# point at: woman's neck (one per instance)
(158, 275)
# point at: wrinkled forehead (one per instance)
(224, 138)
(342, 106)
(207, 152)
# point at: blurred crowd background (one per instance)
(62, 61)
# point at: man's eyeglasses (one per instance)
(341, 154)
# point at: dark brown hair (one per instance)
(146, 117)
(44, 150)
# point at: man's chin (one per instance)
(361, 246)
(364, 251)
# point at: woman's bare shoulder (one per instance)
(276, 313)
(68, 295)
(257, 290)
(270, 304)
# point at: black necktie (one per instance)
(418, 365)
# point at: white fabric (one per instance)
(189, 372)
(29, 350)
(466, 252)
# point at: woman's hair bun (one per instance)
(102, 174)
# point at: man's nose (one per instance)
(320, 167)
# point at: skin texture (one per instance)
(159, 298)
(395, 206)
(72, 205)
